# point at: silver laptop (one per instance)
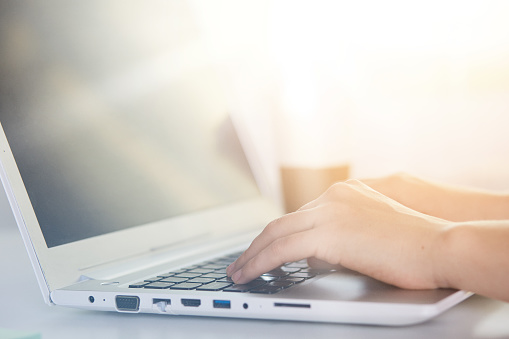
(129, 184)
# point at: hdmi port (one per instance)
(191, 302)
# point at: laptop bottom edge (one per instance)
(240, 305)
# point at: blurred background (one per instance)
(376, 86)
(327, 89)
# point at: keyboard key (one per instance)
(295, 280)
(281, 283)
(305, 275)
(245, 287)
(269, 278)
(187, 275)
(174, 280)
(139, 284)
(267, 289)
(275, 273)
(158, 285)
(185, 286)
(200, 270)
(214, 275)
(214, 286)
(200, 280)
(232, 256)
(220, 272)
(214, 266)
(290, 269)
(225, 279)
(176, 272)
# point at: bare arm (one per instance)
(443, 201)
(359, 228)
(475, 257)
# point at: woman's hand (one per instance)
(354, 226)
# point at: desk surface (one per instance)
(23, 309)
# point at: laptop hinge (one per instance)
(84, 278)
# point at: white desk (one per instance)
(22, 308)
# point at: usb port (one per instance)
(191, 302)
(222, 304)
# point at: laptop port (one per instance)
(127, 303)
(292, 305)
(161, 304)
(222, 304)
(167, 301)
(191, 302)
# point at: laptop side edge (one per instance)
(20, 221)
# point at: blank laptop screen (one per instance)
(114, 115)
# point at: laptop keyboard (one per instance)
(211, 276)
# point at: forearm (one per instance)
(443, 201)
(474, 256)
(468, 205)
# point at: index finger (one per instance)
(286, 225)
(290, 248)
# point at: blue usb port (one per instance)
(222, 304)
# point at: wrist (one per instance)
(452, 239)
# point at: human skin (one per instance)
(401, 230)
(443, 201)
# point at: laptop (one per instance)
(127, 175)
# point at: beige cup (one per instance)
(302, 185)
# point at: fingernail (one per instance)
(236, 277)
(230, 269)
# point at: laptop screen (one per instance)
(114, 115)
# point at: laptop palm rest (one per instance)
(347, 285)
